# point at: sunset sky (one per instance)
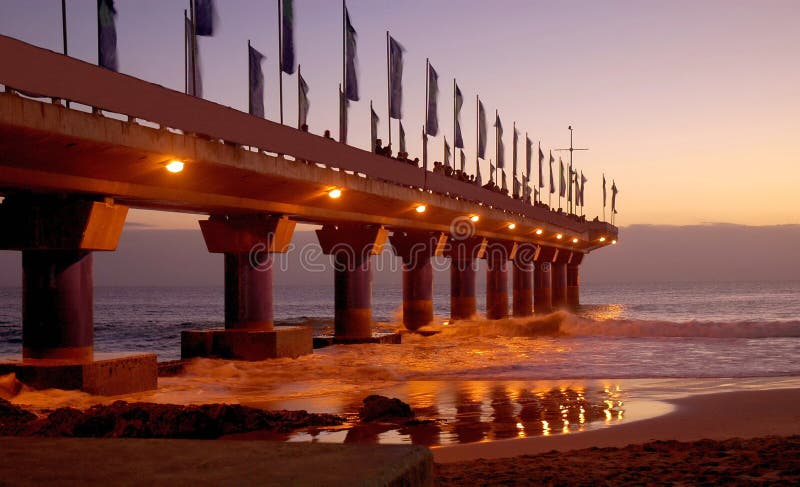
(693, 107)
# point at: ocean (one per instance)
(626, 348)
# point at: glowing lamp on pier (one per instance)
(421, 208)
(559, 236)
(539, 231)
(335, 193)
(512, 226)
(175, 166)
(602, 239)
(613, 242)
(474, 218)
(574, 240)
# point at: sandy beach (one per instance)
(746, 414)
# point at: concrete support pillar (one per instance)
(417, 293)
(560, 278)
(542, 280)
(416, 249)
(464, 251)
(574, 280)
(463, 305)
(352, 247)
(523, 280)
(57, 236)
(248, 292)
(559, 284)
(247, 242)
(352, 282)
(57, 321)
(498, 254)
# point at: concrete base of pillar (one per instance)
(323, 341)
(249, 345)
(109, 374)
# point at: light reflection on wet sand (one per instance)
(473, 411)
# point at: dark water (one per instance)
(628, 346)
(733, 328)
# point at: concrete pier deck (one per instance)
(84, 461)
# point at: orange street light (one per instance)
(421, 208)
(175, 166)
(474, 218)
(559, 236)
(335, 193)
(512, 226)
(539, 231)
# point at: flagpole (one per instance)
(388, 89)
(280, 59)
(249, 77)
(186, 54)
(344, 48)
(477, 134)
(425, 125)
(99, 27)
(424, 157)
(298, 97)
(454, 123)
(64, 25)
(193, 48)
(343, 94)
(496, 145)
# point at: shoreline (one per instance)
(716, 416)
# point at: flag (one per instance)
(302, 101)
(505, 184)
(571, 182)
(516, 186)
(463, 161)
(344, 104)
(541, 161)
(402, 138)
(374, 119)
(396, 78)
(552, 182)
(501, 159)
(528, 156)
(432, 125)
(604, 190)
(478, 178)
(514, 140)
(351, 60)
(256, 76)
(194, 84)
(491, 171)
(446, 152)
(106, 35)
(287, 37)
(583, 186)
(459, 142)
(481, 131)
(562, 182)
(205, 15)
(614, 192)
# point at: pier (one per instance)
(69, 172)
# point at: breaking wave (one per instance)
(565, 324)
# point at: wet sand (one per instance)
(755, 461)
(745, 414)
